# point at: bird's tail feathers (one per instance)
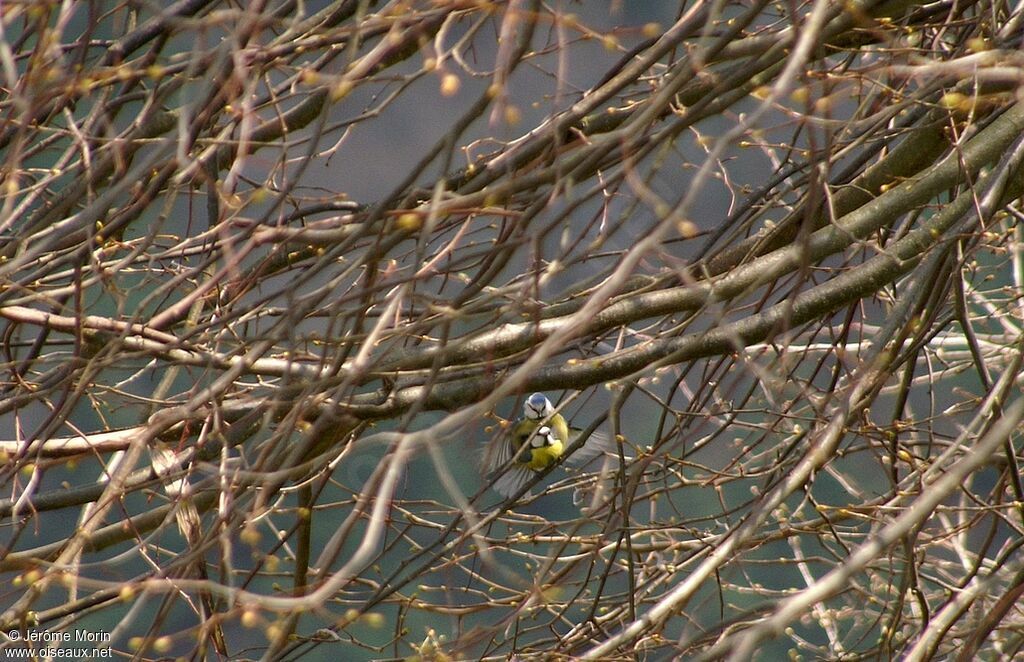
(509, 483)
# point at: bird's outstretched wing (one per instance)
(507, 480)
(497, 454)
(598, 443)
(600, 455)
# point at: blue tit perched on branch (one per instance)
(534, 443)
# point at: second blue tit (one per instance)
(535, 442)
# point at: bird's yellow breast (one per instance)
(541, 457)
(544, 457)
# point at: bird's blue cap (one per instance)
(537, 406)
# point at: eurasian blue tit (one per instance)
(537, 407)
(534, 443)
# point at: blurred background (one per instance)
(275, 277)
